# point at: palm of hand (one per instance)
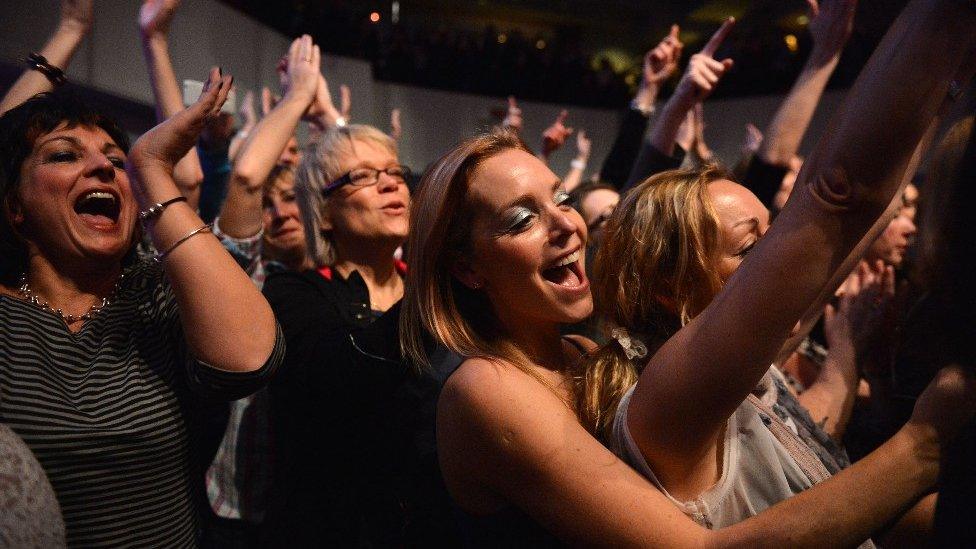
(155, 16)
(831, 24)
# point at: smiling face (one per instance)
(526, 249)
(374, 213)
(74, 202)
(742, 221)
(284, 234)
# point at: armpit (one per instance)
(833, 189)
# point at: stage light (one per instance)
(791, 42)
(802, 19)
(374, 17)
(540, 44)
(502, 38)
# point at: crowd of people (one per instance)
(220, 336)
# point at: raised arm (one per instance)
(76, 20)
(554, 136)
(155, 17)
(241, 213)
(503, 441)
(578, 165)
(697, 83)
(831, 22)
(250, 116)
(227, 322)
(699, 377)
(659, 64)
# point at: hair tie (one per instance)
(633, 347)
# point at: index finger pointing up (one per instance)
(713, 44)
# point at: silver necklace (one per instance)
(28, 294)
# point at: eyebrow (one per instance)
(751, 220)
(108, 146)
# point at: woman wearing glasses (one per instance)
(354, 207)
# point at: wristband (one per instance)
(578, 164)
(156, 210)
(38, 63)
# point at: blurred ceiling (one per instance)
(414, 41)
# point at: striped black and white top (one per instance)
(114, 412)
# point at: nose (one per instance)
(386, 183)
(562, 225)
(101, 167)
(910, 228)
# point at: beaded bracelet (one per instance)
(39, 63)
(161, 256)
(156, 209)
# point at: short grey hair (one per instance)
(319, 167)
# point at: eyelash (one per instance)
(747, 249)
(69, 156)
(561, 198)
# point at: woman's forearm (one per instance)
(58, 51)
(188, 173)
(240, 215)
(831, 397)
(227, 322)
(848, 508)
(784, 134)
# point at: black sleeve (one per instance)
(625, 147)
(764, 180)
(651, 161)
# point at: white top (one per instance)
(757, 471)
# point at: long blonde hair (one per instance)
(435, 303)
(320, 166)
(655, 271)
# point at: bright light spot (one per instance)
(630, 79)
(791, 42)
(502, 38)
(395, 12)
(802, 19)
(540, 44)
(374, 17)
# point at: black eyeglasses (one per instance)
(364, 177)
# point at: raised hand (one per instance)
(345, 101)
(155, 16)
(513, 118)
(831, 23)
(704, 71)
(661, 62)
(396, 131)
(77, 14)
(304, 59)
(163, 146)
(583, 146)
(555, 135)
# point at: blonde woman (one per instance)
(354, 207)
(496, 269)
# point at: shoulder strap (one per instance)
(804, 457)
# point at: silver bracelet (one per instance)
(159, 257)
(156, 209)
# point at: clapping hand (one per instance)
(831, 23)
(164, 145)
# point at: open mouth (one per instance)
(98, 207)
(395, 208)
(567, 273)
